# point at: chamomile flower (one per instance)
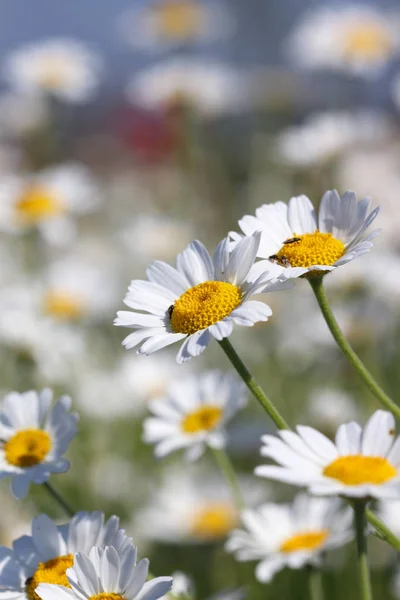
(292, 235)
(199, 300)
(194, 414)
(46, 555)
(355, 38)
(47, 200)
(362, 463)
(110, 573)
(34, 438)
(290, 535)
(64, 68)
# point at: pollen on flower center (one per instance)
(311, 249)
(178, 19)
(106, 596)
(62, 305)
(203, 419)
(356, 470)
(203, 305)
(51, 571)
(309, 540)
(368, 41)
(36, 204)
(214, 521)
(27, 448)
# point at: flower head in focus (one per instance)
(199, 300)
(65, 68)
(362, 463)
(45, 556)
(358, 39)
(34, 438)
(110, 573)
(194, 413)
(292, 236)
(290, 535)
(47, 200)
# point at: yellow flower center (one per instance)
(203, 419)
(367, 40)
(106, 596)
(309, 540)
(356, 470)
(27, 448)
(214, 521)
(52, 571)
(178, 19)
(53, 72)
(37, 204)
(203, 305)
(62, 305)
(310, 249)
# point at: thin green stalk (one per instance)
(361, 539)
(253, 386)
(383, 531)
(228, 471)
(319, 291)
(315, 584)
(65, 506)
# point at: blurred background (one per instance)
(128, 129)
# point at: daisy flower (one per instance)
(359, 464)
(47, 554)
(162, 23)
(194, 414)
(34, 438)
(290, 535)
(64, 68)
(292, 236)
(47, 200)
(354, 38)
(110, 573)
(199, 300)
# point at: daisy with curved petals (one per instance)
(45, 556)
(194, 414)
(295, 238)
(107, 573)
(290, 535)
(362, 463)
(34, 437)
(199, 300)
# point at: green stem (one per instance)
(361, 539)
(253, 386)
(65, 506)
(383, 531)
(347, 350)
(228, 471)
(315, 584)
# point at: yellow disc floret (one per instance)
(369, 41)
(203, 419)
(311, 249)
(214, 521)
(309, 540)
(106, 596)
(356, 470)
(203, 305)
(37, 204)
(178, 19)
(51, 571)
(27, 448)
(62, 305)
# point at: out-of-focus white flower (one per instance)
(34, 438)
(65, 68)
(290, 535)
(47, 200)
(353, 38)
(362, 463)
(209, 88)
(327, 408)
(15, 519)
(190, 506)
(194, 414)
(161, 23)
(325, 135)
(389, 512)
(20, 114)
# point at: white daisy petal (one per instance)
(242, 258)
(195, 264)
(378, 434)
(166, 276)
(301, 215)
